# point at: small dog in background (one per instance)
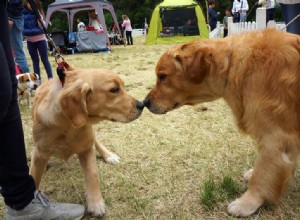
(27, 84)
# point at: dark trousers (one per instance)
(289, 13)
(39, 48)
(270, 14)
(17, 186)
(129, 37)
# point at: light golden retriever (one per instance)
(258, 75)
(63, 119)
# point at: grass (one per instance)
(185, 165)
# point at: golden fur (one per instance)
(63, 118)
(258, 75)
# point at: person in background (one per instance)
(239, 10)
(225, 21)
(128, 29)
(212, 14)
(16, 24)
(21, 198)
(94, 20)
(290, 10)
(270, 9)
(36, 38)
(80, 25)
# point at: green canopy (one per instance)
(177, 21)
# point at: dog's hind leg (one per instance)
(271, 174)
(107, 155)
(95, 202)
(38, 167)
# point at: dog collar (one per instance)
(21, 91)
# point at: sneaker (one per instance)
(41, 208)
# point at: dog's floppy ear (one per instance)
(22, 79)
(195, 61)
(73, 102)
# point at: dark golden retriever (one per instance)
(258, 75)
(63, 119)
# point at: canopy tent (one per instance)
(71, 7)
(176, 21)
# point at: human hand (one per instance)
(10, 23)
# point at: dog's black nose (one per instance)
(35, 86)
(146, 102)
(140, 105)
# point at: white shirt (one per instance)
(80, 26)
(240, 6)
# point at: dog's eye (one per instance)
(162, 77)
(115, 90)
(27, 80)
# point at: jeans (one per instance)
(243, 16)
(16, 38)
(39, 48)
(129, 37)
(17, 186)
(270, 14)
(290, 12)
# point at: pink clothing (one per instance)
(35, 38)
(127, 25)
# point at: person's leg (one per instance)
(127, 37)
(17, 186)
(33, 51)
(43, 51)
(289, 13)
(130, 36)
(16, 38)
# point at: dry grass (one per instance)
(166, 159)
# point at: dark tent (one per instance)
(71, 7)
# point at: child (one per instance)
(225, 21)
(36, 38)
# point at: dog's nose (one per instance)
(35, 86)
(140, 105)
(147, 102)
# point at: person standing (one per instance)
(225, 21)
(16, 24)
(18, 189)
(128, 29)
(239, 10)
(290, 10)
(270, 9)
(36, 38)
(212, 14)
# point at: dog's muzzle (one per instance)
(140, 105)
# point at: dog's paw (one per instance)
(97, 210)
(112, 159)
(247, 176)
(243, 206)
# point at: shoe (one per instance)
(41, 208)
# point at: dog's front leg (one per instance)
(271, 174)
(107, 155)
(95, 202)
(38, 166)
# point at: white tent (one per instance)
(71, 7)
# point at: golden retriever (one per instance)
(258, 75)
(63, 119)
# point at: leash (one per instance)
(291, 21)
(60, 70)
